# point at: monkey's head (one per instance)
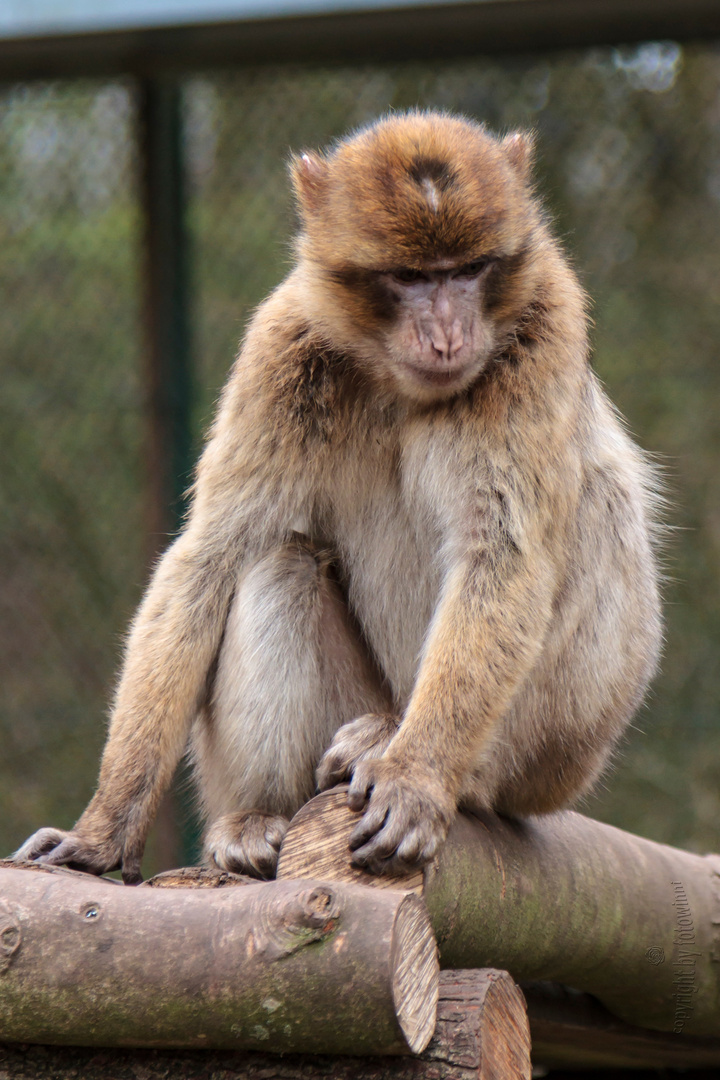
(422, 232)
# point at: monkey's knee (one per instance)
(291, 670)
(550, 783)
(298, 557)
(280, 599)
(245, 843)
(292, 647)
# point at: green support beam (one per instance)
(166, 300)
(428, 31)
(167, 366)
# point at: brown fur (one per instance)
(416, 507)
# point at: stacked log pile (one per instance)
(218, 974)
(561, 898)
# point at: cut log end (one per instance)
(416, 975)
(316, 846)
(506, 1033)
(482, 1015)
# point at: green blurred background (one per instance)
(629, 165)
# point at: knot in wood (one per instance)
(322, 908)
(289, 919)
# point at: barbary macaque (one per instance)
(420, 551)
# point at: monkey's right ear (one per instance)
(520, 150)
(308, 172)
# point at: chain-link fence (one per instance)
(629, 164)
(72, 532)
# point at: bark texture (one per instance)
(560, 898)
(482, 1034)
(299, 966)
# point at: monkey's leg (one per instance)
(290, 671)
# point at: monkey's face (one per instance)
(421, 231)
(438, 338)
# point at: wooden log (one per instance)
(288, 966)
(481, 1034)
(572, 1029)
(560, 898)
(195, 877)
(568, 1029)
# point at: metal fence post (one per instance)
(167, 360)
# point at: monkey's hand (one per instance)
(406, 819)
(57, 847)
(367, 737)
(245, 843)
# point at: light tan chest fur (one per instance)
(393, 524)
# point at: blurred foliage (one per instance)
(629, 166)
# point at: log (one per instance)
(572, 1029)
(194, 877)
(568, 1029)
(288, 966)
(481, 1034)
(560, 898)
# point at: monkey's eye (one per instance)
(407, 276)
(475, 268)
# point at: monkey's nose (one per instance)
(447, 340)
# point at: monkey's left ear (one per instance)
(519, 149)
(309, 176)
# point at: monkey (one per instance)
(421, 551)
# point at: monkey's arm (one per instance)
(241, 502)
(484, 639)
(170, 651)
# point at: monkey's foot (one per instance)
(245, 843)
(367, 737)
(406, 817)
(58, 847)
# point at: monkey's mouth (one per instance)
(441, 377)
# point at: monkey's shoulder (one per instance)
(305, 385)
(313, 384)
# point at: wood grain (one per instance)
(316, 846)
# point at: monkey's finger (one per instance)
(373, 820)
(385, 842)
(259, 858)
(361, 785)
(332, 770)
(130, 859)
(409, 848)
(375, 864)
(381, 856)
(419, 847)
(264, 864)
(275, 832)
(386, 829)
(429, 850)
(71, 850)
(38, 844)
(378, 856)
(131, 872)
(244, 856)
